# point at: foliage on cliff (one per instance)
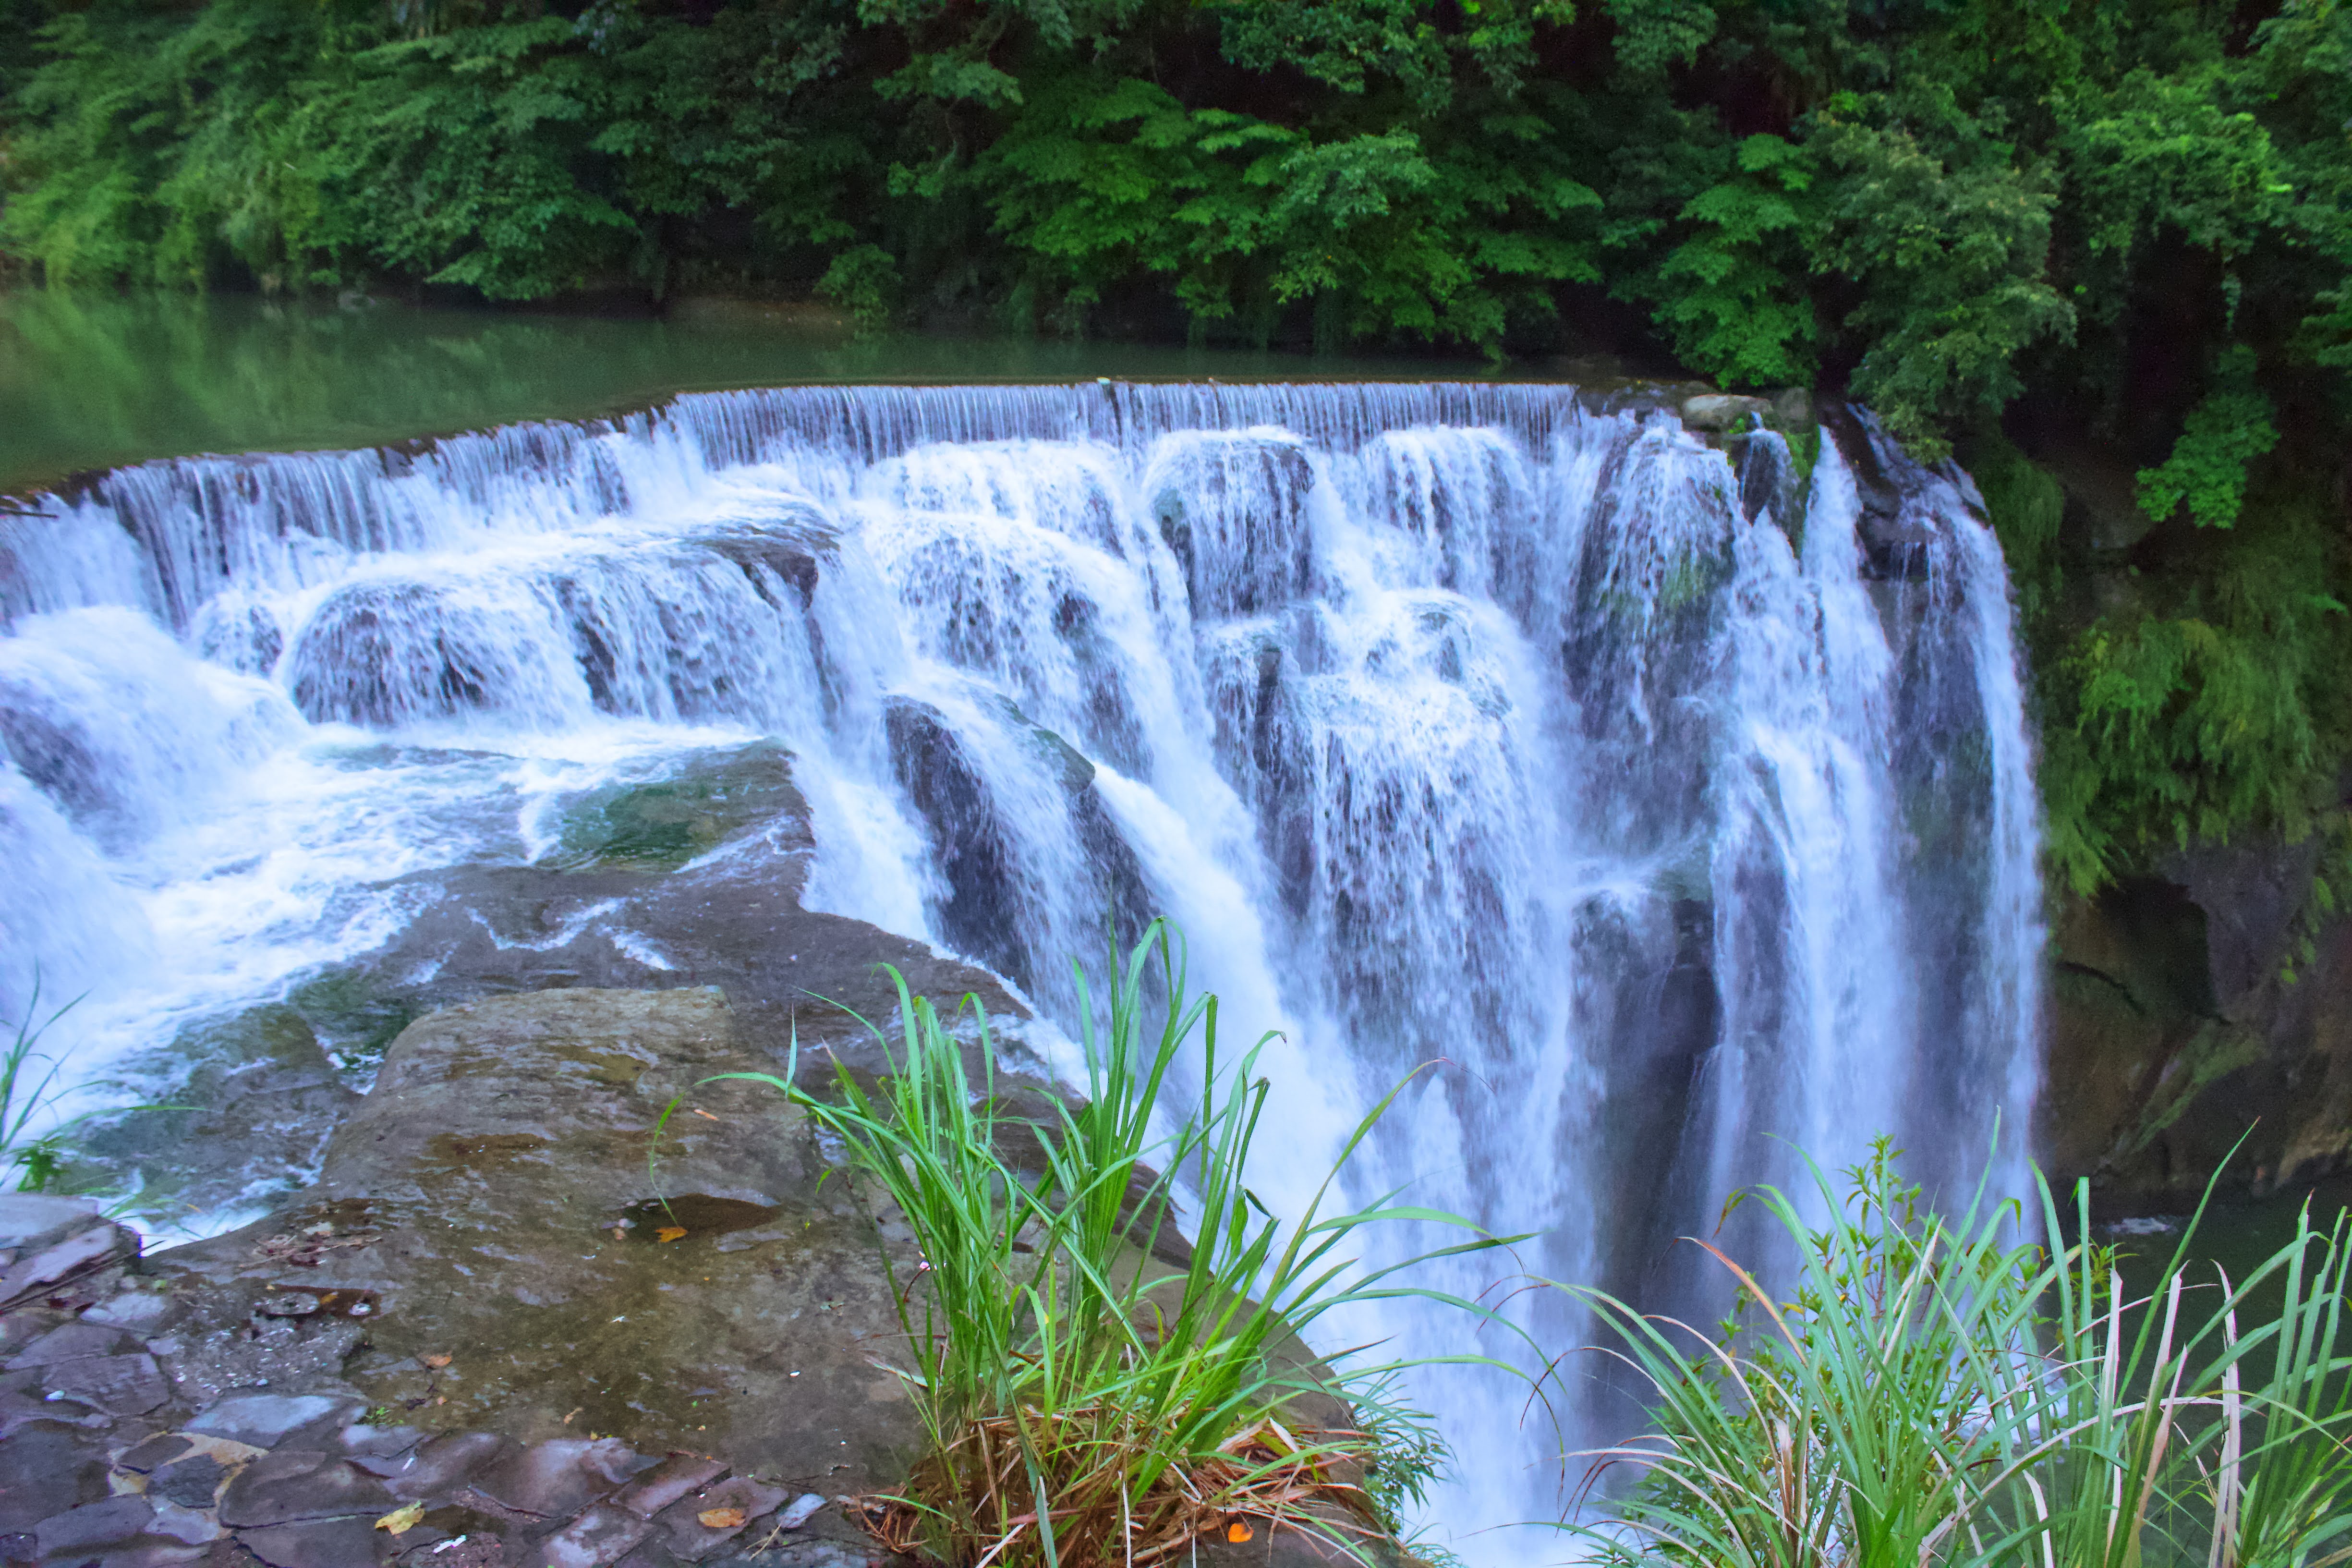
(2118, 226)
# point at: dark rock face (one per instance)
(1894, 548)
(384, 654)
(1247, 495)
(981, 911)
(2184, 1018)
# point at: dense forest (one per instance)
(2099, 249)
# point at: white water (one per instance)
(1471, 726)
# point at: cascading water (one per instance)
(1681, 823)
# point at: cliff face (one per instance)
(2185, 1024)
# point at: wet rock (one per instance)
(678, 1476)
(661, 826)
(468, 1552)
(800, 1510)
(1717, 411)
(1232, 507)
(980, 912)
(295, 1354)
(22, 1404)
(69, 1341)
(501, 1143)
(439, 1465)
(364, 1442)
(77, 1254)
(554, 1479)
(93, 1526)
(263, 1419)
(260, 1098)
(139, 1312)
(153, 1454)
(291, 1485)
(47, 1467)
(740, 1497)
(118, 1384)
(385, 654)
(602, 1535)
(320, 1543)
(191, 1483)
(147, 1551)
(189, 1526)
(1793, 409)
(30, 1222)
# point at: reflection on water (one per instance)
(94, 381)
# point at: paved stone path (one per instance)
(109, 1460)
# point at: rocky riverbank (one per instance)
(503, 1328)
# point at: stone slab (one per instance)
(263, 1419)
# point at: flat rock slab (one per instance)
(31, 1221)
(70, 1342)
(262, 1419)
(291, 1486)
(526, 1274)
(118, 1384)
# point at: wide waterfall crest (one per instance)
(1681, 810)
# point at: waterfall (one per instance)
(1679, 813)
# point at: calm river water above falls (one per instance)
(1684, 809)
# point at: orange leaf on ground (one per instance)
(721, 1518)
(436, 1362)
(669, 1233)
(1239, 1531)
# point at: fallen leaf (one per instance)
(721, 1518)
(567, 1420)
(401, 1518)
(705, 1116)
(669, 1233)
(1239, 1531)
(436, 1362)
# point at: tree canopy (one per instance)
(2099, 249)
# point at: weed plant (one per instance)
(28, 1088)
(1942, 1390)
(1083, 1404)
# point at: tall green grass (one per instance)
(1083, 1404)
(1940, 1390)
(28, 1089)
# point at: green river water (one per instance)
(94, 381)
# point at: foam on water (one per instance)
(1662, 823)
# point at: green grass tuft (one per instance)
(1083, 1404)
(1936, 1391)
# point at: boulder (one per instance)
(499, 1196)
(1724, 411)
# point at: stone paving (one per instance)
(117, 1451)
